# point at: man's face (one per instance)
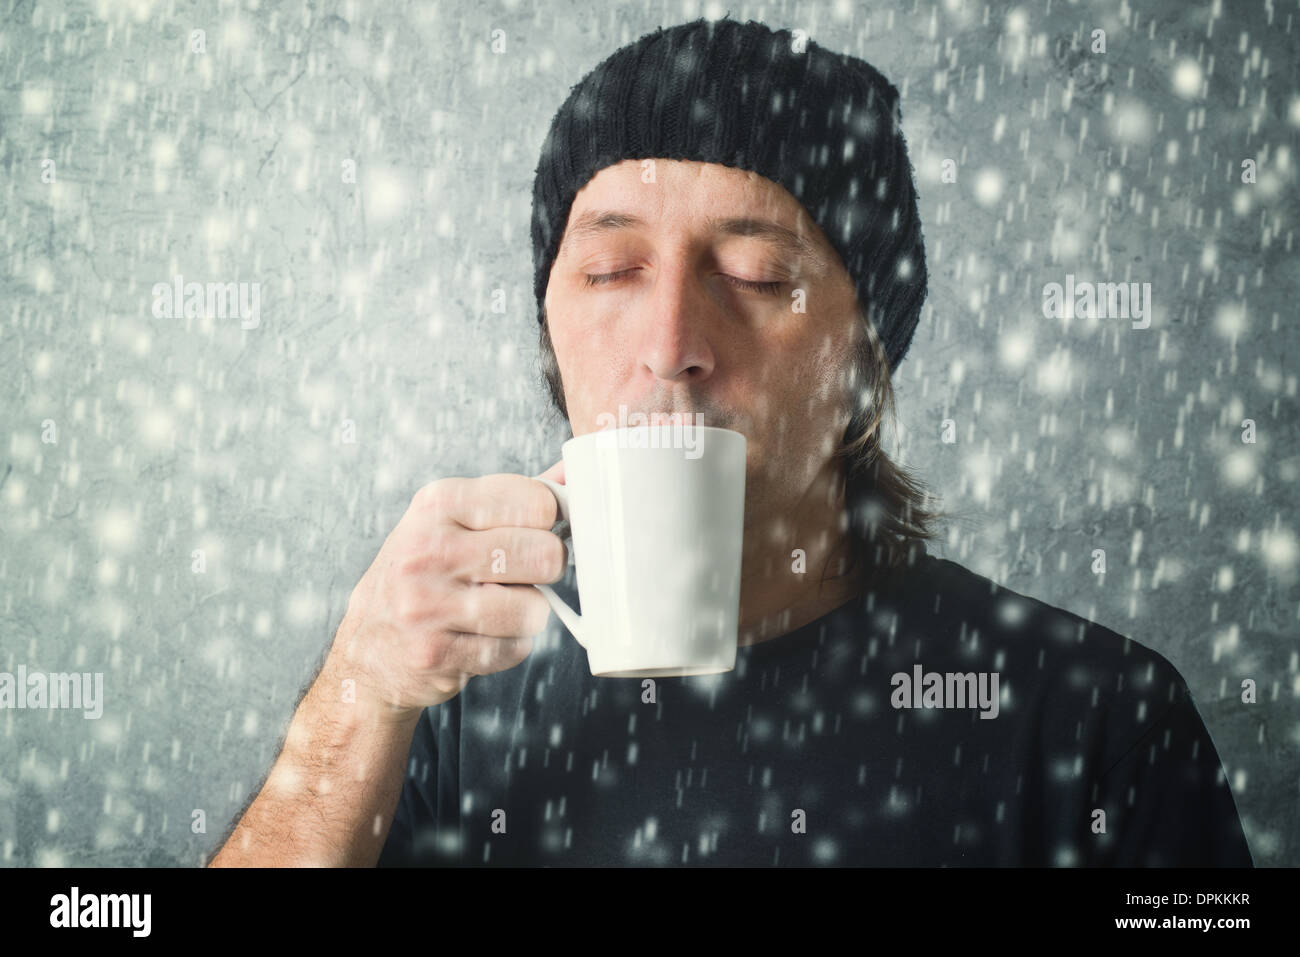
(676, 296)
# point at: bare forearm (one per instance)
(332, 792)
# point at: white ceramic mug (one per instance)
(656, 516)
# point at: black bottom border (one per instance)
(247, 906)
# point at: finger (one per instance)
(495, 500)
(525, 556)
(555, 473)
(501, 611)
(485, 655)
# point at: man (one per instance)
(725, 223)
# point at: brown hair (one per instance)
(887, 507)
(890, 510)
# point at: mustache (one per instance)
(698, 409)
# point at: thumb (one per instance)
(555, 473)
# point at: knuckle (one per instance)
(446, 605)
(485, 656)
(409, 565)
(405, 609)
(433, 654)
(437, 495)
(426, 496)
(471, 601)
(444, 550)
(452, 685)
(482, 605)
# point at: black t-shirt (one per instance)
(803, 755)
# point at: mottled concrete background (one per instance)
(130, 442)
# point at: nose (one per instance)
(674, 343)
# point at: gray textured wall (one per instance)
(128, 440)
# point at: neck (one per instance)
(780, 590)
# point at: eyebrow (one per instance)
(596, 222)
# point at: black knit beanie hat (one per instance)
(824, 125)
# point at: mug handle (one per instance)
(571, 619)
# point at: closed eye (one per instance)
(766, 288)
(606, 278)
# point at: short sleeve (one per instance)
(416, 813)
(1167, 802)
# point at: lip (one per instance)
(628, 430)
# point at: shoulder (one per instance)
(1055, 659)
(1090, 709)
